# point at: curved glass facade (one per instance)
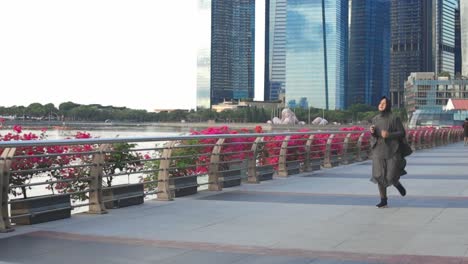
(316, 53)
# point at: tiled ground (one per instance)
(327, 216)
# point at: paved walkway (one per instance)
(327, 216)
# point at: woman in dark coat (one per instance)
(387, 161)
(465, 128)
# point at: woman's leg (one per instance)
(383, 196)
(400, 188)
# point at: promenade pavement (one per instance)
(327, 216)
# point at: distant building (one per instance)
(233, 105)
(426, 91)
(276, 53)
(459, 107)
(458, 47)
(226, 51)
(170, 110)
(203, 54)
(422, 40)
(369, 52)
(308, 53)
(464, 35)
(232, 50)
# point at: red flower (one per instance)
(17, 129)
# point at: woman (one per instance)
(387, 161)
(465, 128)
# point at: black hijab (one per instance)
(388, 108)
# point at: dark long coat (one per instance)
(465, 128)
(387, 162)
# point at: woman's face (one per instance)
(382, 105)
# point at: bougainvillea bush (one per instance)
(234, 150)
(68, 167)
(51, 167)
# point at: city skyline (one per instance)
(144, 55)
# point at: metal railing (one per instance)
(86, 170)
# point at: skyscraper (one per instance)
(444, 45)
(308, 52)
(276, 55)
(232, 49)
(203, 53)
(422, 40)
(464, 35)
(458, 53)
(369, 51)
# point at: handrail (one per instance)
(287, 152)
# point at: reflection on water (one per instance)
(110, 132)
(100, 132)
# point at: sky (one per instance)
(134, 53)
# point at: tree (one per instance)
(444, 74)
(36, 110)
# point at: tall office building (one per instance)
(232, 50)
(369, 52)
(203, 53)
(308, 52)
(422, 40)
(464, 35)
(445, 12)
(276, 53)
(458, 52)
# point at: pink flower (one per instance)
(17, 129)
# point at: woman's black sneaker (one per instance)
(383, 203)
(401, 189)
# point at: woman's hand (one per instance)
(372, 129)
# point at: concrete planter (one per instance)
(184, 186)
(123, 195)
(231, 177)
(265, 172)
(315, 164)
(41, 209)
(293, 167)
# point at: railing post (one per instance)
(346, 157)
(164, 185)
(5, 164)
(359, 147)
(308, 147)
(95, 196)
(327, 159)
(282, 165)
(433, 140)
(215, 182)
(252, 171)
(419, 141)
(427, 141)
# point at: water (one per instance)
(100, 132)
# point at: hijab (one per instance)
(388, 107)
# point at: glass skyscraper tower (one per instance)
(445, 36)
(464, 35)
(203, 54)
(308, 52)
(422, 40)
(369, 52)
(232, 49)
